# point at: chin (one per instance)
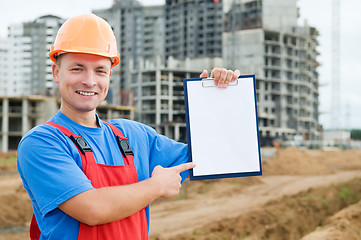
(88, 108)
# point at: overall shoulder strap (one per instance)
(78, 140)
(34, 229)
(123, 144)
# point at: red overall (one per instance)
(133, 227)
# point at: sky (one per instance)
(317, 13)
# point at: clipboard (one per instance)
(222, 128)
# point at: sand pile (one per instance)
(15, 209)
(293, 161)
(345, 224)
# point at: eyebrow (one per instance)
(81, 65)
(76, 64)
(101, 67)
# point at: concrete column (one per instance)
(132, 114)
(5, 126)
(171, 96)
(24, 116)
(166, 130)
(176, 132)
(139, 97)
(157, 97)
(109, 114)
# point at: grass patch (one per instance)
(348, 195)
(344, 193)
(324, 202)
(7, 161)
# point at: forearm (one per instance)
(108, 204)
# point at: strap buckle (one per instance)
(81, 144)
(124, 146)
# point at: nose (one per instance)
(89, 79)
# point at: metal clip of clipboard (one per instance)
(209, 82)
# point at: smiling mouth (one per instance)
(86, 93)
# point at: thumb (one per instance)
(204, 74)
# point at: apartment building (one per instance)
(193, 28)
(139, 31)
(159, 95)
(4, 59)
(29, 66)
(42, 32)
(264, 39)
(19, 62)
(153, 33)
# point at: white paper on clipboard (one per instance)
(222, 129)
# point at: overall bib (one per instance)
(133, 227)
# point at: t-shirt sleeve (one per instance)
(50, 167)
(165, 151)
(152, 148)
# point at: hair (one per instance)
(58, 59)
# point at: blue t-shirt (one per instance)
(51, 168)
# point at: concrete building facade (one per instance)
(42, 32)
(29, 65)
(19, 62)
(4, 66)
(153, 33)
(283, 56)
(139, 31)
(159, 94)
(193, 28)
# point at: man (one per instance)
(88, 179)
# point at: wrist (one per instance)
(155, 187)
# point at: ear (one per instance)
(55, 69)
(110, 74)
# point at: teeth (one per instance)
(86, 93)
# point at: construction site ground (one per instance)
(302, 194)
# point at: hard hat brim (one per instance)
(114, 59)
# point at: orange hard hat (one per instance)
(86, 33)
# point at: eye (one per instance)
(101, 72)
(76, 69)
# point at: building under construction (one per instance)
(139, 31)
(159, 95)
(262, 37)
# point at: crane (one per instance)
(335, 86)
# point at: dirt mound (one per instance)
(8, 154)
(293, 161)
(15, 209)
(7, 161)
(219, 187)
(12, 236)
(345, 224)
(288, 218)
(15, 205)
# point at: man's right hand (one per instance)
(169, 179)
(108, 204)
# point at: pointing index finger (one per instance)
(185, 166)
